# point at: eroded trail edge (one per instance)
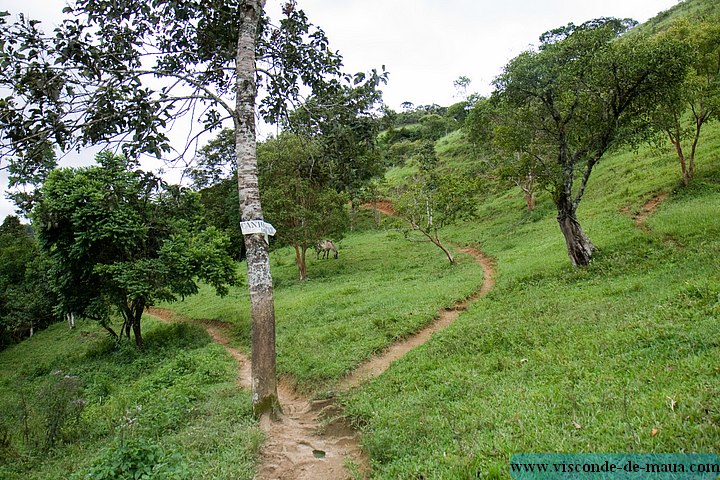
(311, 441)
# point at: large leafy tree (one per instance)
(326, 154)
(125, 70)
(121, 239)
(683, 113)
(586, 90)
(342, 123)
(299, 195)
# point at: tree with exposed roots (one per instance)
(588, 89)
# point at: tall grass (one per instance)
(174, 402)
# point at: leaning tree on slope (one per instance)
(588, 89)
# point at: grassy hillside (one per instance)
(692, 9)
(381, 288)
(172, 410)
(621, 356)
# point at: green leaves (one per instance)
(682, 114)
(298, 194)
(584, 92)
(87, 84)
(120, 236)
(26, 300)
(587, 90)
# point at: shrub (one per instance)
(137, 458)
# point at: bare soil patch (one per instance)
(647, 209)
(383, 206)
(309, 442)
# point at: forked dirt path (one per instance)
(312, 441)
(306, 443)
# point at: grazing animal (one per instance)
(325, 247)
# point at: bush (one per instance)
(137, 458)
(51, 413)
(60, 405)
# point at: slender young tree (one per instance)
(433, 199)
(684, 113)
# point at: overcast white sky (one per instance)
(424, 44)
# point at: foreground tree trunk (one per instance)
(579, 246)
(262, 310)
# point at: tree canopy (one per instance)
(586, 90)
(26, 298)
(92, 81)
(121, 239)
(683, 113)
(299, 196)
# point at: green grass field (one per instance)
(623, 356)
(380, 289)
(174, 407)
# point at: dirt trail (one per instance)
(312, 441)
(307, 443)
(376, 365)
(383, 206)
(647, 209)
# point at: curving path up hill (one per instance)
(312, 441)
